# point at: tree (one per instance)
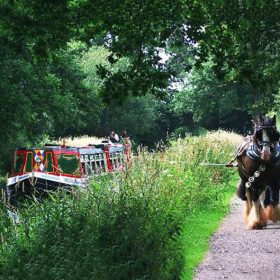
(244, 36)
(32, 82)
(37, 70)
(139, 31)
(34, 29)
(139, 116)
(213, 103)
(43, 99)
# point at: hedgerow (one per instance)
(126, 226)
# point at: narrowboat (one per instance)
(58, 165)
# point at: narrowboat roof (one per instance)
(90, 149)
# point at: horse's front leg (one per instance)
(241, 189)
(246, 195)
(256, 218)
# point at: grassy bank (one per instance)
(135, 225)
(212, 189)
(198, 228)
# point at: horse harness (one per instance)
(251, 146)
(257, 174)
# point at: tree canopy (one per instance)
(203, 62)
(243, 39)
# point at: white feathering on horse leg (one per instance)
(264, 219)
(274, 213)
(268, 212)
(255, 220)
(254, 217)
(248, 205)
(262, 198)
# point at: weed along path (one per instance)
(240, 254)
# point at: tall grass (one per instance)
(127, 226)
(81, 141)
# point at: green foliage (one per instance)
(53, 85)
(139, 116)
(39, 99)
(95, 63)
(213, 103)
(242, 38)
(34, 28)
(136, 30)
(126, 226)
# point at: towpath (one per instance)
(240, 254)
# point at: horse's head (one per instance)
(266, 136)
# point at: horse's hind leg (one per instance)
(272, 211)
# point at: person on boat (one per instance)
(125, 139)
(114, 137)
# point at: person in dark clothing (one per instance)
(114, 138)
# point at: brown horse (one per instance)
(259, 170)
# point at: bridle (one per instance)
(259, 129)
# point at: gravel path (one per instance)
(240, 254)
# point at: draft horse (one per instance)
(258, 159)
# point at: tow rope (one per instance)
(229, 164)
